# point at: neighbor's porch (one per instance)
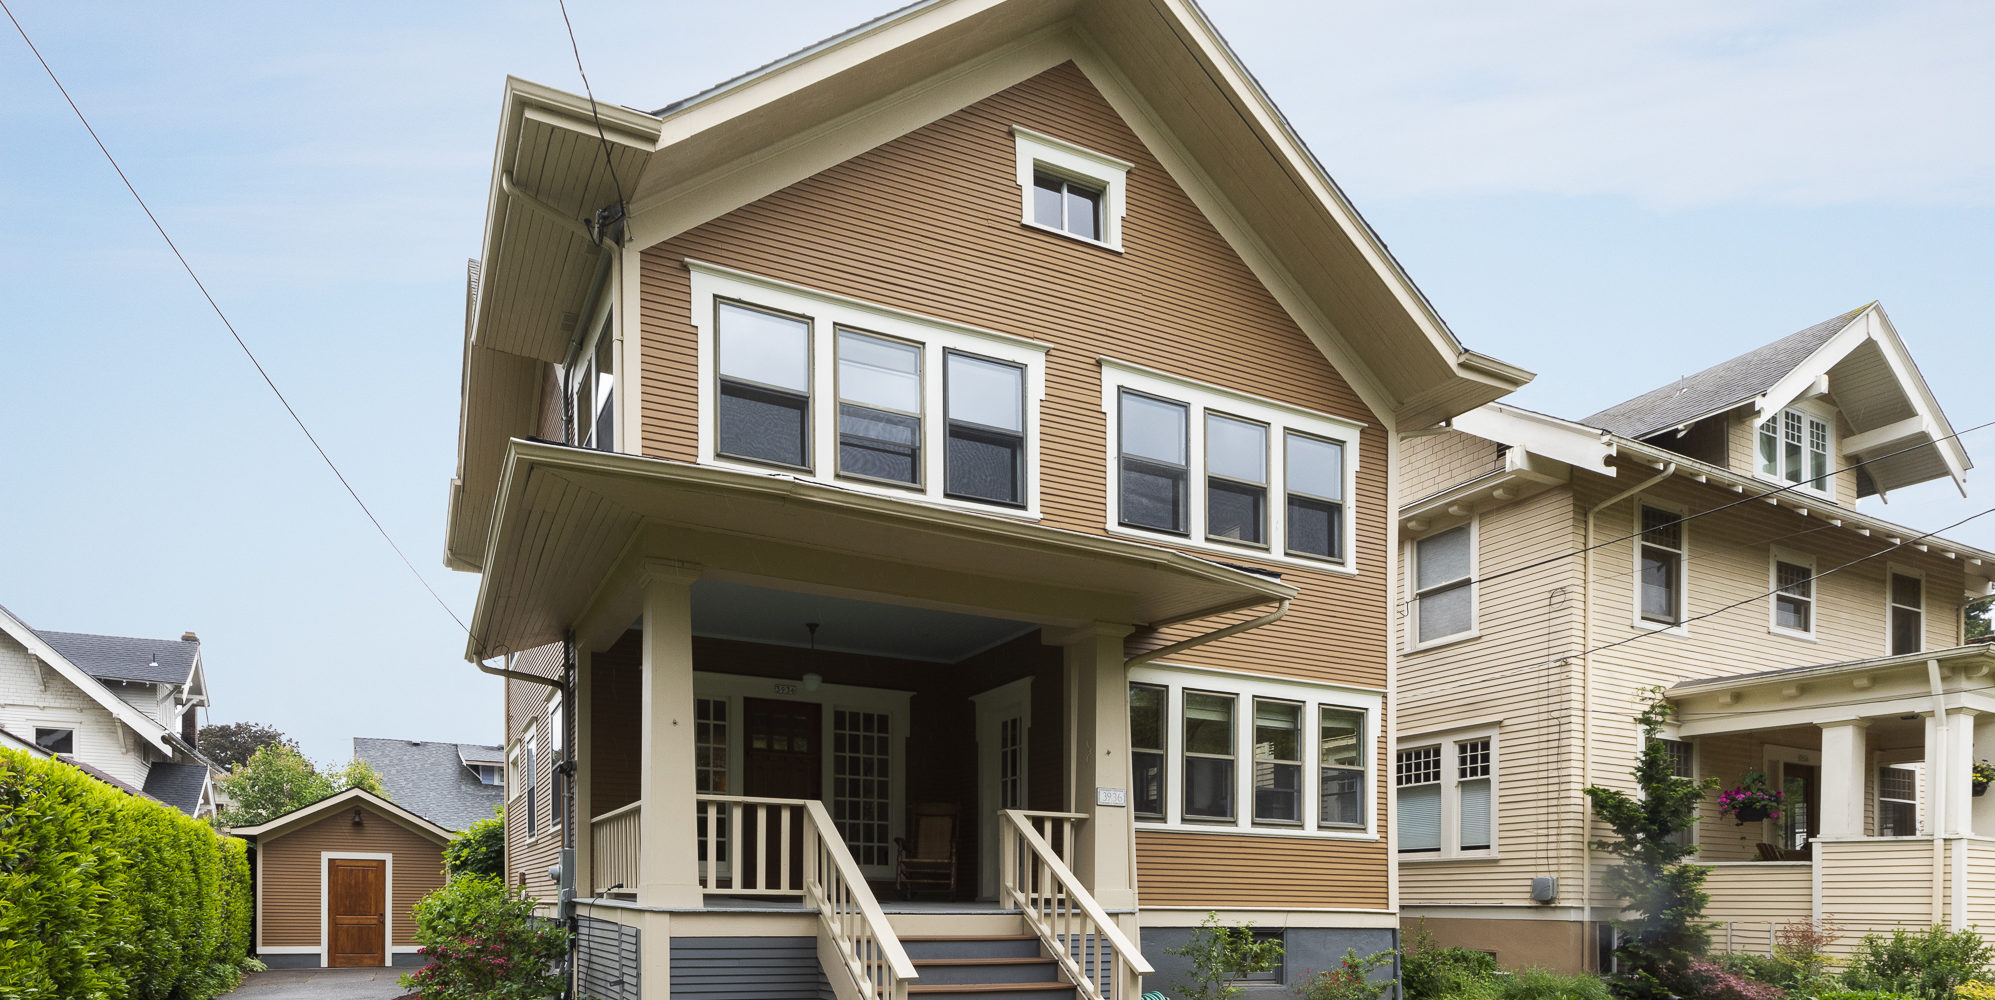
(1880, 826)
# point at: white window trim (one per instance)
(1682, 626)
(1175, 679)
(515, 759)
(1776, 556)
(1412, 560)
(556, 735)
(1451, 813)
(530, 755)
(1198, 398)
(827, 312)
(1808, 412)
(1039, 151)
(1925, 603)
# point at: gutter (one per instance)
(1586, 686)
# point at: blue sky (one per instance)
(1678, 183)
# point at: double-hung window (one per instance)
(1444, 585)
(1315, 470)
(1236, 479)
(1277, 761)
(1209, 755)
(592, 391)
(764, 361)
(1155, 469)
(1661, 558)
(1907, 613)
(1897, 800)
(1447, 796)
(1794, 595)
(1340, 747)
(1794, 448)
(530, 780)
(879, 408)
(986, 451)
(1149, 710)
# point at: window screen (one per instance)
(1662, 566)
(1444, 596)
(1277, 761)
(1794, 603)
(1908, 614)
(1236, 479)
(1340, 742)
(879, 408)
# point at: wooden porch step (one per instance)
(990, 987)
(982, 961)
(969, 937)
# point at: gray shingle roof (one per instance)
(430, 780)
(177, 785)
(1719, 387)
(120, 658)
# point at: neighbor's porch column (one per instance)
(1958, 773)
(1098, 738)
(1844, 761)
(667, 865)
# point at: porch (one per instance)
(1880, 827)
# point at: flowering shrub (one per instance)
(484, 943)
(1716, 983)
(1752, 793)
(1350, 980)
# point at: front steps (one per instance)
(964, 966)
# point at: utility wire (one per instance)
(623, 207)
(212, 304)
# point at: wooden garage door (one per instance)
(357, 896)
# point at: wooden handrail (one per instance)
(1064, 914)
(618, 811)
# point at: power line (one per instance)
(623, 208)
(212, 304)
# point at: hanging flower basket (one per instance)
(1752, 801)
(1983, 773)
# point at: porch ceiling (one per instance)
(572, 529)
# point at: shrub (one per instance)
(484, 943)
(1427, 972)
(109, 895)
(480, 849)
(1544, 984)
(1350, 980)
(1976, 989)
(1862, 995)
(1218, 954)
(1717, 982)
(1931, 964)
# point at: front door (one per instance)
(356, 912)
(782, 760)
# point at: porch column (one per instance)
(1844, 761)
(668, 844)
(1098, 738)
(583, 778)
(1957, 773)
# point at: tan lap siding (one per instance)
(290, 876)
(1221, 870)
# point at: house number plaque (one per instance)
(1111, 796)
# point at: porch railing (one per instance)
(613, 849)
(1093, 951)
(790, 847)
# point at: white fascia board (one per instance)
(148, 729)
(1577, 445)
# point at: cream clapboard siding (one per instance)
(1877, 886)
(527, 860)
(1431, 463)
(33, 694)
(1747, 900)
(1512, 678)
(1980, 872)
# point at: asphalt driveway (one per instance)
(321, 984)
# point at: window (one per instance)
(1154, 466)
(515, 775)
(592, 392)
(1272, 975)
(1315, 469)
(1444, 586)
(1340, 751)
(1794, 595)
(56, 740)
(530, 774)
(986, 402)
(1277, 761)
(1908, 614)
(1071, 190)
(1897, 801)
(1209, 755)
(557, 733)
(1447, 796)
(1661, 581)
(861, 791)
(1236, 479)
(488, 774)
(764, 362)
(879, 408)
(710, 746)
(1070, 206)
(909, 405)
(1148, 708)
(1793, 448)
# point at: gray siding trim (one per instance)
(747, 968)
(606, 960)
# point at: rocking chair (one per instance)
(929, 864)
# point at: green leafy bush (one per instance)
(1428, 972)
(1350, 980)
(1862, 995)
(1931, 964)
(103, 894)
(1220, 953)
(480, 849)
(1544, 984)
(484, 943)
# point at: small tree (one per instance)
(483, 942)
(1976, 620)
(1220, 953)
(230, 744)
(1655, 878)
(357, 773)
(277, 779)
(480, 849)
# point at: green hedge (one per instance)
(106, 895)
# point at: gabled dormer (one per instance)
(1838, 411)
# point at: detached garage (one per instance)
(336, 882)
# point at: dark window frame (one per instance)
(1232, 758)
(1241, 487)
(772, 394)
(1069, 187)
(985, 433)
(919, 415)
(1340, 542)
(1123, 459)
(1160, 753)
(67, 738)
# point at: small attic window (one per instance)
(1794, 447)
(1071, 190)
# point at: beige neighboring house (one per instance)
(1850, 688)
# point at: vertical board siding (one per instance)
(929, 223)
(289, 865)
(740, 968)
(607, 961)
(527, 861)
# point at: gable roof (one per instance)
(431, 779)
(1719, 387)
(125, 658)
(38, 647)
(178, 785)
(279, 825)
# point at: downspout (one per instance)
(1937, 778)
(1586, 691)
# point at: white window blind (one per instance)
(1444, 594)
(1473, 787)
(1418, 776)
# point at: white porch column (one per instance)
(668, 839)
(584, 776)
(1098, 740)
(1844, 761)
(1958, 792)
(1984, 749)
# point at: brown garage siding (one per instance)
(289, 900)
